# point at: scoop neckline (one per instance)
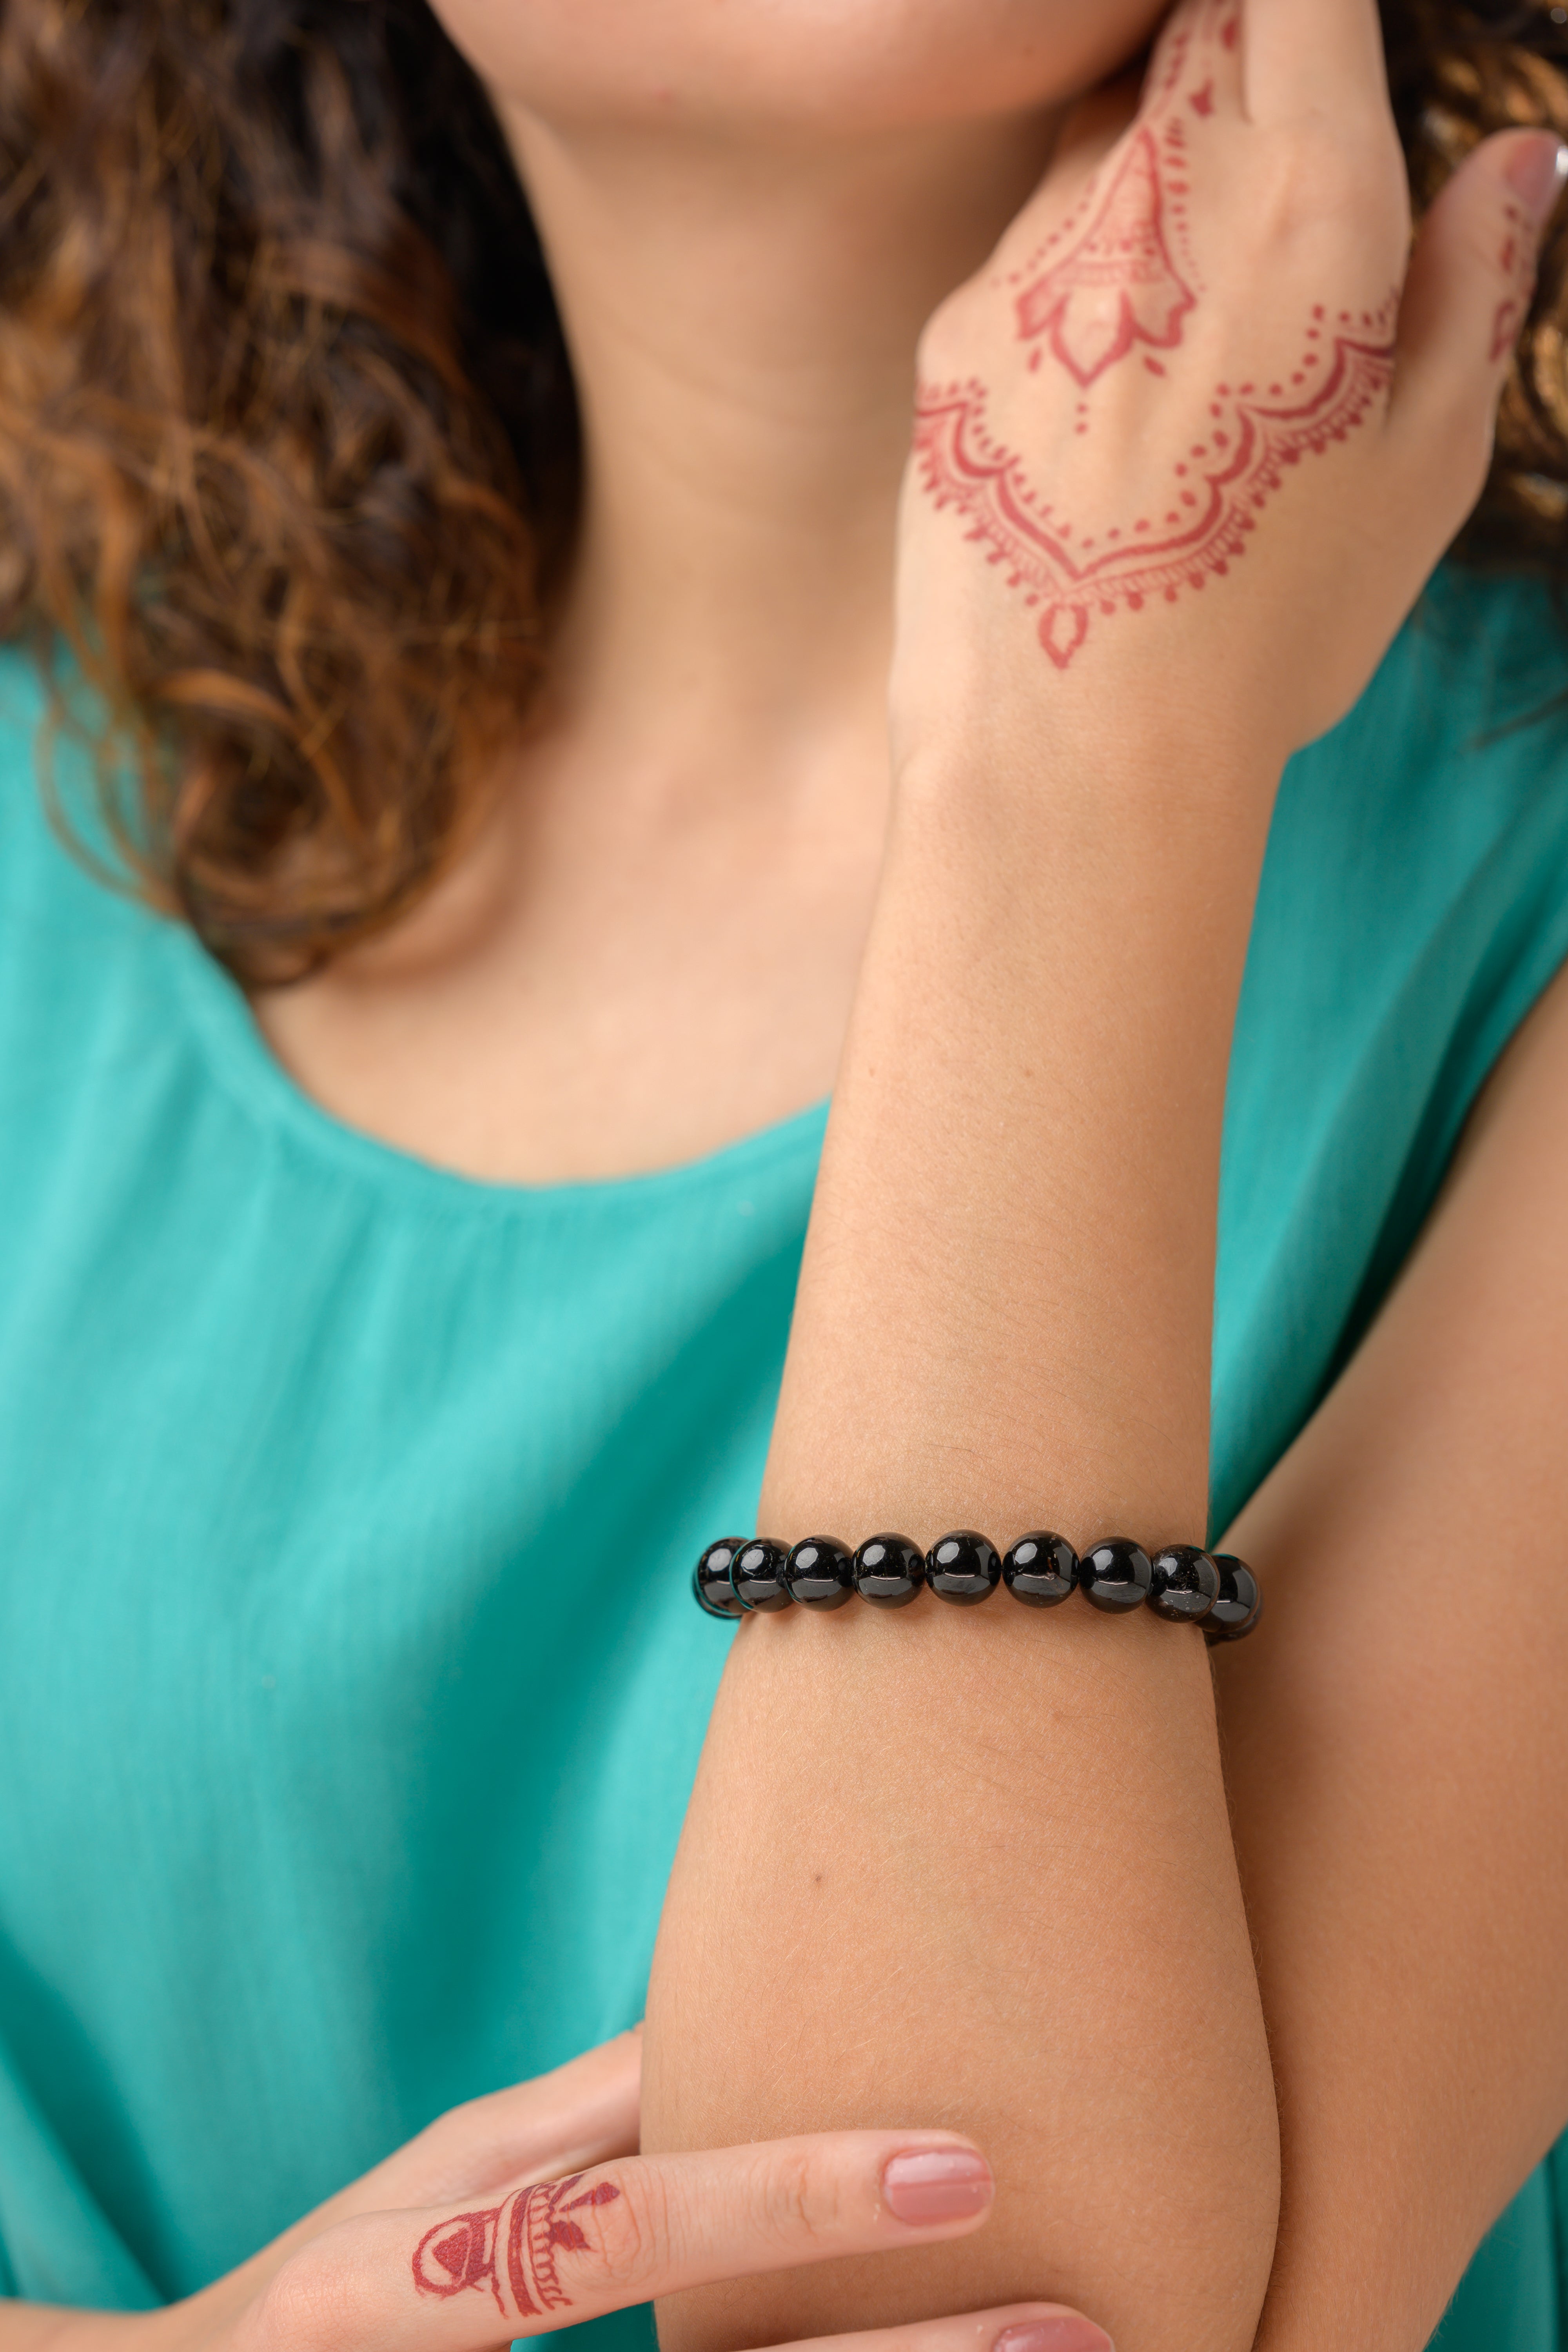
(251, 1074)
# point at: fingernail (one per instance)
(1536, 171)
(1070, 2333)
(936, 2184)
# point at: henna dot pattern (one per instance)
(961, 466)
(1117, 283)
(1107, 279)
(1117, 279)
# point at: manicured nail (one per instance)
(1536, 171)
(936, 2184)
(1070, 2333)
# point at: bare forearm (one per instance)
(1398, 1754)
(977, 1867)
(1007, 1293)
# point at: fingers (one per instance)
(1313, 57)
(582, 2113)
(1197, 59)
(1015, 2327)
(1468, 291)
(546, 2256)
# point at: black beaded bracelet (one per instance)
(739, 1576)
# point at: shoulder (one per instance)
(1429, 831)
(1475, 686)
(1413, 906)
(56, 858)
(76, 951)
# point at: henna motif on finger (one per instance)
(1108, 279)
(1117, 283)
(1251, 437)
(525, 2233)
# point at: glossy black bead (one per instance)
(1115, 1575)
(710, 1578)
(820, 1573)
(963, 1568)
(1041, 1569)
(757, 1574)
(1183, 1585)
(1238, 1604)
(889, 1570)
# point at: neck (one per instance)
(742, 319)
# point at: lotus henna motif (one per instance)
(1117, 284)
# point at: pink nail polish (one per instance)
(936, 2184)
(1535, 171)
(1070, 2333)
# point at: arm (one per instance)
(1398, 1747)
(985, 1862)
(979, 1865)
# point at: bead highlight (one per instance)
(890, 1572)
(1115, 1574)
(819, 1573)
(757, 1574)
(1041, 1569)
(710, 1578)
(963, 1568)
(1238, 1604)
(1184, 1586)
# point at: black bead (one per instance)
(1115, 1575)
(757, 1575)
(1040, 1570)
(710, 1578)
(963, 1568)
(1239, 1602)
(889, 1570)
(1185, 1581)
(820, 1574)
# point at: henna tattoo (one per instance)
(1251, 435)
(1117, 283)
(1118, 278)
(467, 2249)
(1107, 279)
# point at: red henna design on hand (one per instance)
(1107, 279)
(525, 2231)
(1253, 433)
(1117, 283)
(1119, 276)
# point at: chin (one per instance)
(815, 66)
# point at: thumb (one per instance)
(1468, 288)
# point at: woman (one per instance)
(555, 839)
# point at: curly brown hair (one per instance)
(290, 459)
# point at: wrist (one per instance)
(1144, 743)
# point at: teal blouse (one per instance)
(351, 1689)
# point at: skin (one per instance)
(757, 218)
(374, 2266)
(717, 728)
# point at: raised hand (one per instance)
(1188, 320)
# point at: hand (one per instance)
(469, 2236)
(1207, 339)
